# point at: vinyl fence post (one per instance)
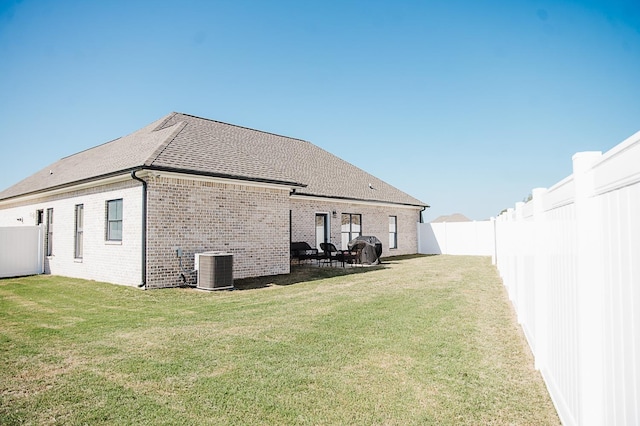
(540, 281)
(520, 247)
(590, 292)
(494, 243)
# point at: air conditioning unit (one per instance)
(215, 270)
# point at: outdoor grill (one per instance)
(369, 249)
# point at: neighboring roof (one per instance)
(456, 217)
(184, 143)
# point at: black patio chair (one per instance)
(355, 252)
(331, 253)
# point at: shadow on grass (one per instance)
(302, 273)
(305, 273)
(395, 259)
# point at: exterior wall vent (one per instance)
(215, 270)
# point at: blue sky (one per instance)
(466, 105)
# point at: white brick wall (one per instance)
(118, 263)
(375, 221)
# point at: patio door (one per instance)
(322, 229)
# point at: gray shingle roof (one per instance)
(186, 143)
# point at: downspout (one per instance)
(143, 284)
(420, 221)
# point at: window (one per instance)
(79, 230)
(393, 232)
(49, 232)
(39, 216)
(114, 220)
(351, 227)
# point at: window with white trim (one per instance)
(79, 231)
(114, 220)
(350, 228)
(393, 232)
(50, 232)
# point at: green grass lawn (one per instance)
(417, 340)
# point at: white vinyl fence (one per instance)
(460, 238)
(570, 259)
(21, 251)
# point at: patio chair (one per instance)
(329, 253)
(328, 256)
(355, 252)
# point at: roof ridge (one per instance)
(180, 125)
(165, 121)
(241, 127)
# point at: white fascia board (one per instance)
(347, 201)
(70, 188)
(201, 178)
(141, 174)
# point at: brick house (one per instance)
(118, 211)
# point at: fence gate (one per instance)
(21, 251)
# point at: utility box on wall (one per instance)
(215, 270)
